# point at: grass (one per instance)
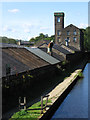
(65, 78)
(80, 74)
(29, 114)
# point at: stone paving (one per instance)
(59, 89)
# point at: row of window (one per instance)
(68, 32)
(74, 39)
(74, 32)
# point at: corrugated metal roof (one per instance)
(20, 59)
(16, 65)
(43, 55)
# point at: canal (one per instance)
(75, 104)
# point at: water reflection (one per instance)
(75, 104)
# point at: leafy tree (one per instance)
(87, 39)
(32, 40)
(41, 36)
(7, 40)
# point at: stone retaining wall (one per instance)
(58, 94)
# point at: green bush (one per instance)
(80, 74)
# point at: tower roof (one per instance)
(59, 14)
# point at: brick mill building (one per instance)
(70, 35)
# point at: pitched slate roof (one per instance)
(55, 55)
(73, 48)
(71, 25)
(59, 48)
(43, 55)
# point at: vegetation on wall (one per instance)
(87, 39)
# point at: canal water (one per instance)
(75, 104)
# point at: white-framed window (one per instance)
(68, 32)
(74, 39)
(58, 19)
(58, 32)
(74, 32)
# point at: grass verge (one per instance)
(30, 114)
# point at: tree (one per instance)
(32, 40)
(41, 35)
(87, 39)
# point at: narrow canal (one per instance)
(75, 104)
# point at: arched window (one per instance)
(58, 19)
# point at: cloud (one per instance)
(8, 29)
(27, 30)
(82, 25)
(13, 10)
(27, 27)
(28, 38)
(44, 28)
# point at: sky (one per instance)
(24, 20)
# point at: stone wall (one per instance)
(14, 86)
(75, 57)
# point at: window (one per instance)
(74, 39)
(68, 39)
(58, 19)
(58, 32)
(59, 40)
(74, 33)
(68, 32)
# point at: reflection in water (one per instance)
(75, 104)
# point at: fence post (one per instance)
(24, 103)
(41, 104)
(46, 102)
(19, 102)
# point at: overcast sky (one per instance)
(24, 20)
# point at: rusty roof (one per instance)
(20, 60)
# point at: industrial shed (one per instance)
(20, 60)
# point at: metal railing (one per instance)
(23, 104)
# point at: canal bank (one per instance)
(55, 96)
(42, 116)
(59, 93)
(75, 105)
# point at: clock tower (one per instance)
(59, 25)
